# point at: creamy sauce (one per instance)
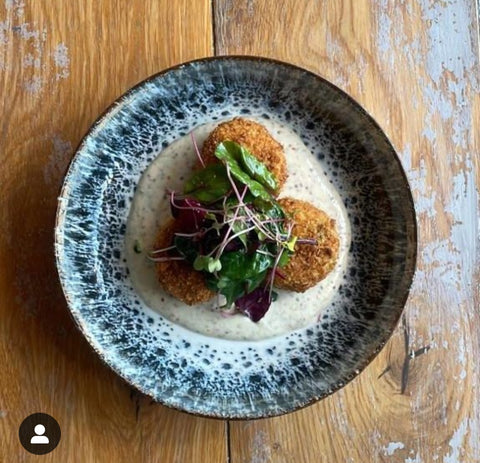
(150, 209)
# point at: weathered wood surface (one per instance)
(413, 65)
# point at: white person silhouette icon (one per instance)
(39, 433)
(39, 438)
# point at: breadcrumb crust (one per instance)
(177, 277)
(256, 138)
(310, 263)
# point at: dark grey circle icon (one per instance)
(39, 433)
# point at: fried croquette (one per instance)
(253, 136)
(310, 263)
(177, 277)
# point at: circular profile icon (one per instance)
(39, 433)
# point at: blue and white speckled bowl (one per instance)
(216, 377)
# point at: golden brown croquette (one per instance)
(177, 277)
(253, 136)
(310, 263)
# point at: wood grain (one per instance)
(61, 64)
(415, 67)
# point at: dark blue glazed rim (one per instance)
(216, 377)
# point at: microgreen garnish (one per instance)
(232, 229)
(197, 151)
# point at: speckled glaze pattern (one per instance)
(216, 377)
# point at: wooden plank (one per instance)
(414, 66)
(61, 64)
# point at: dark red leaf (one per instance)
(189, 213)
(255, 304)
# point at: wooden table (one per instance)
(414, 65)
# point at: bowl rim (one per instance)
(117, 104)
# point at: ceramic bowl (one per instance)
(211, 376)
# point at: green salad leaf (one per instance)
(240, 274)
(231, 153)
(249, 163)
(209, 184)
(186, 248)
